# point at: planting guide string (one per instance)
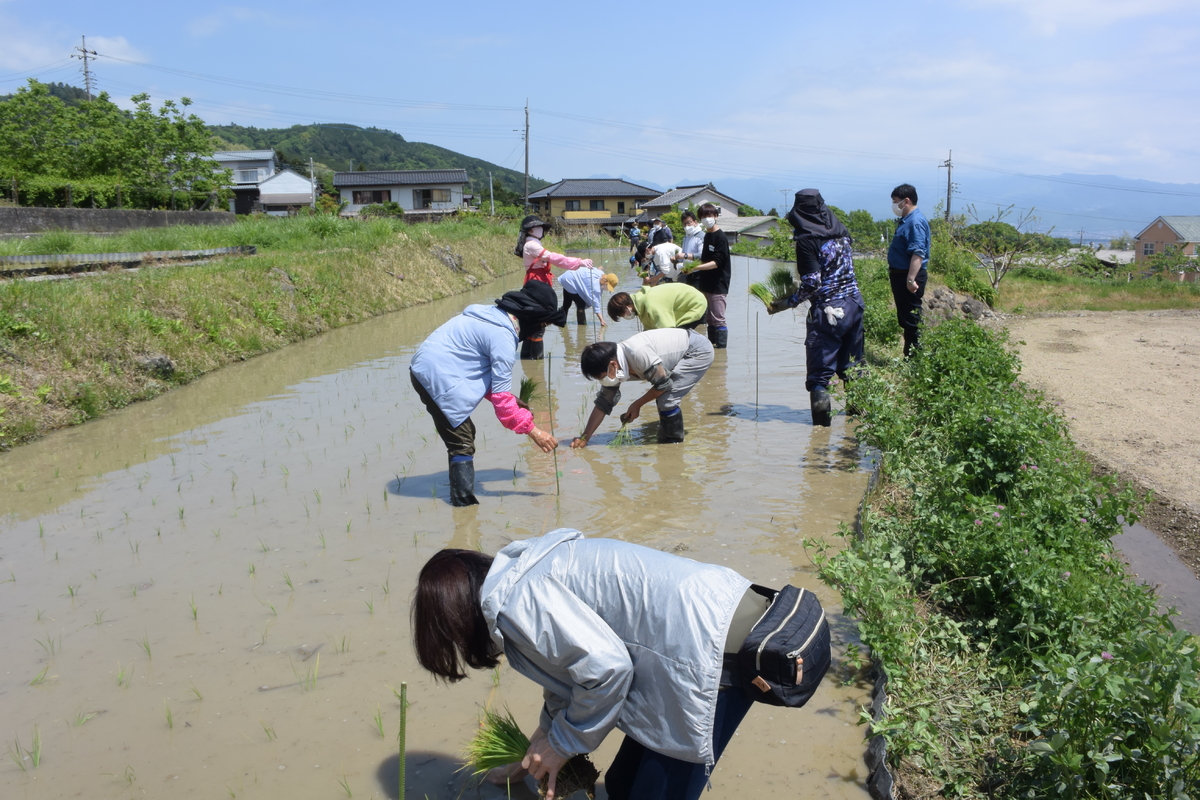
(550, 409)
(755, 359)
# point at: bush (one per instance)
(389, 209)
(957, 267)
(879, 314)
(986, 585)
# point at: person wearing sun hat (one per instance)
(469, 359)
(538, 261)
(582, 287)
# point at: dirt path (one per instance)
(1129, 382)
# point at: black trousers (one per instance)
(460, 440)
(833, 349)
(908, 305)
(581, 307)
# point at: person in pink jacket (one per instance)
(538, 261)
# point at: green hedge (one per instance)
(1023, 660)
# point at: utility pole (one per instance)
(491, 194)
(312, 179)
(83, 55)
(783, 202)
(949, 166)
(526, 153)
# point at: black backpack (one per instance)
(790, 641)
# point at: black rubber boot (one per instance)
(462, 483)
(822, 411)
(532, 350)
(670, 428)
(721, 338)
(581, 316)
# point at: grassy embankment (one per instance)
(72, 349)
(1023, 660)
(1030, 291)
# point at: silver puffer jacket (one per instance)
(618, 635)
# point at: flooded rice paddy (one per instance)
(206, 596)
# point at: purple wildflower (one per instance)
(995, 513)
(1106, 656)
(1065, 575)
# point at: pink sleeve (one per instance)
(511, 415)
(561, 261)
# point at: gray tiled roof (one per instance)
(593, 187)
(1188, 228)
(399, 177)
(680, 195)
(244, 155)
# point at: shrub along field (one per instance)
(73, 349)
(1022, 659)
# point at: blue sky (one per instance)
(851, 97)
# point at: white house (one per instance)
(284, 191)
(685, 196)
(412, 189)
(249, 168)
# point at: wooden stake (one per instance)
(403, 726)
(550, 403)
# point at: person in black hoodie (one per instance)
(712, 275)
(834, 344)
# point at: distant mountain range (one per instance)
(1101, 206)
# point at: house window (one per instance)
(621, 208)
(595, 205)
(426, 198)
(1148, 249)
(247, 175)
(369, 196)
(571, 205)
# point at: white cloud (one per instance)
(115, 46)
(19, 51)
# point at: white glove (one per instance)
(833, 314)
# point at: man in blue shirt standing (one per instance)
(907, 259)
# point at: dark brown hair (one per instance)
(596, 357)
(709, 210)
(617, 305)
(905, 191)
(449, 629)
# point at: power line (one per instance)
(85, 55)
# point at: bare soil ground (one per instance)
(1129, 382)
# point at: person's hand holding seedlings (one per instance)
(545, 442)
(542, 762)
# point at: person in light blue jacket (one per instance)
(468, 360)
(618, 635)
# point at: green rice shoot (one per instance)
(779, 285)
(623, 437)
(498, 742)
(528, 391)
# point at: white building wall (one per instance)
(402, 195)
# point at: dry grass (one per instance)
(1018, 295)
(71, 350)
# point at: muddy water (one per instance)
(213, 587)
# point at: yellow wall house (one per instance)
(1181, 234)
(591, 199)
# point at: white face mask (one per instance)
(628, 314)
(898, 208)
(709, 223)
(616, 380)
(691, 230)
(536, 232)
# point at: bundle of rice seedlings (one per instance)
(688, 266)
(623, 437)
(528, 391)
(500, 742)
(780, 284)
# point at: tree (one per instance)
(1122, 242)
(748, 211)
(999, 246)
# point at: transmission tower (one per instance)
(83, 54)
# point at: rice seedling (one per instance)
(145, 645)
(387, 582)
(349, 522)
(308, 681)
(500, 741)
(134, 547)
(192, 688)
(82, 717)
(343, 646)
(370, 604)
(40, 678)
(263, 546)
(100, 617)
(345, 784)
(268, 730)
(50, 645)
(288, 580)
(252, 568)
(379, 721)
(124, 675)
(780, 284)
(41, 530)
(192, 604)
(71, 590)
(170, 719)
(322, 538)
(181, 512)
(18, 755)
(528, 391)
(35, 754)
(39, 615)
(402, 736)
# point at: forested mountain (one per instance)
(336, 146)
(70, 95)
